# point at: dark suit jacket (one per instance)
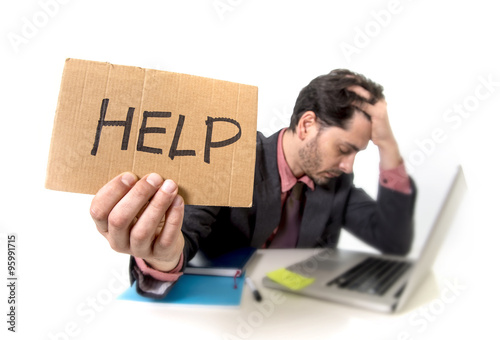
(386, 224)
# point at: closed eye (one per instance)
(344, 151)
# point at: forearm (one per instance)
(390, 156)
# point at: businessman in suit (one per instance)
(309, 164)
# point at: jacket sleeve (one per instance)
(385, 223)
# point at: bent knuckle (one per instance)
(157, 205)
(174, 221)
(175, 217)
(118, 221)
(143, 191)
(165, 243)
(140, 237)
(169, 237)
(98, 214)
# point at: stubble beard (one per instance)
(311, 161)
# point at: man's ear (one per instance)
(307, 124)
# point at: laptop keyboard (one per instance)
(373, 276)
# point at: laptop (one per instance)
(381, 283)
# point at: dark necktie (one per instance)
(291, 216)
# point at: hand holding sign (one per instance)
(142, 218)
(199, 132)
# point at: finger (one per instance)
(153, 218)
(107, 197)
(172, 229)
(363, 100)
(364, 107)
(121, 218)
(360, 91)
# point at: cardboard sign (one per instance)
(197, 131)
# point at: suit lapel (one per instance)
(268, 213)
(267, 191)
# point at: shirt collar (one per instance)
(288, 180)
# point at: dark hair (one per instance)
(327, 96)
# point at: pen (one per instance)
(254, 290)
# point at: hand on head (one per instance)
(381, 135)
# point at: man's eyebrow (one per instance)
(352, 146)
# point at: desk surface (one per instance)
(279, 315)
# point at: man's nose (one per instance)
(347, 163)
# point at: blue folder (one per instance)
(197, 290)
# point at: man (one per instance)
(334, 118)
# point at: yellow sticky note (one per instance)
(290, 279)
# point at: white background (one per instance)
(429, 56)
